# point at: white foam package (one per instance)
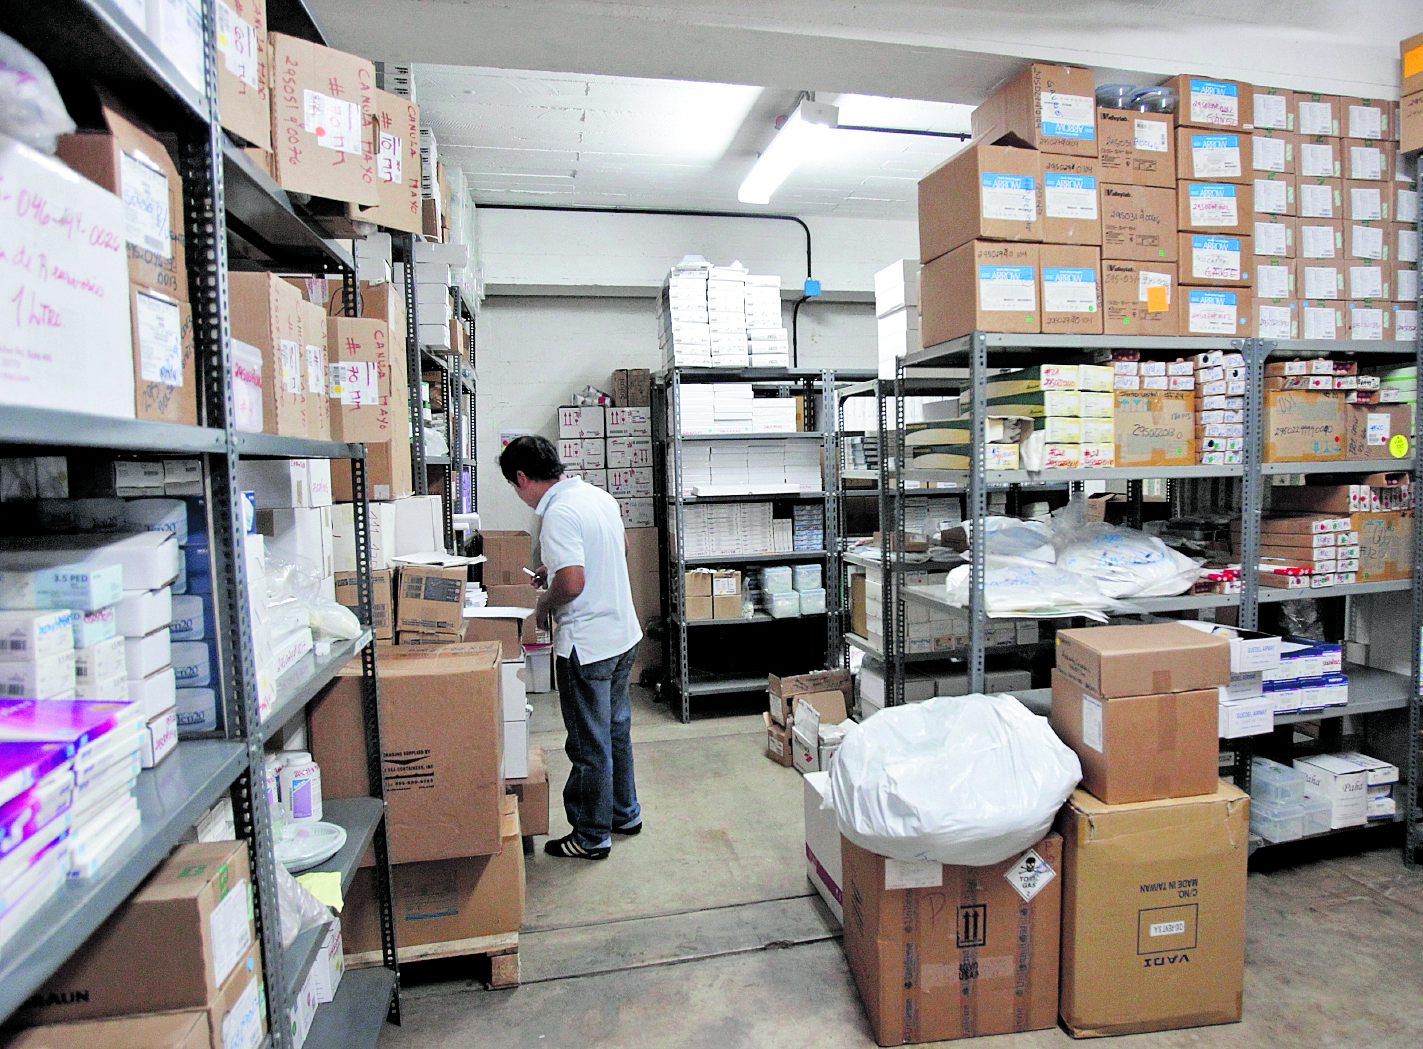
(966, 780)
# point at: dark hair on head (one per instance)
(534, 455)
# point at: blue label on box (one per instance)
(1210, 189)
(1070, 182)
(998, 273)
(992, 180)
(1215, 141)
(1210, 297)
(1056, 274)
(1213, 87)
(1199, 243)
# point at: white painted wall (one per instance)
(535, 352)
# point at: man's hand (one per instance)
(540, 578)
(566, 585)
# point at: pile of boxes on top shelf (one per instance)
(804, 726)
(1318, 794)
(1144, 216)
(721, 317)
(607, 441)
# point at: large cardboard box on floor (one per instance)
(532, 794)
(1045, 107)
(1155, 427)
(442, 724)
(988, 192)
(942, 952)
(1153, 912)
(172, 945)
(1136, 148)
(267, 312)
(397, 165)
(444, 900)
(1143, 660)
(323, 121)
(983, 285)
(1304, 427)
(243, 80)
(1385, 545)
(1139, 748)
(822, 844)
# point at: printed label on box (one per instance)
(290, 354)
(1365, 323)
(1271, 197)
(1365, 282)
(242, 1027)
(1067, 116)
(912, 874)
(1316, 202)
(1150, 135)
(335, 122)
(1321, 282)
(1365, 122)
(1273, 282)
(1316, 161)
(237, 41)
(1267, 154)
(1216, 258)
(1145, 281)
(388, 156)
(1214, 103)
(1366, 205)
(1069, 290)
(1029, 875)
(1271, 239)
(1092, 722)
(1211, 312)
(1009, 197)
(1317, 242)
(1275, 322)
(229, 931)
(160, 340)
(1366, 242)
(1213, 205)
(1271, 111)
(1316, 118)
(145, 193)
(1215, 156)
(1070, 197)
(314, 368)
(354, 383)
(1007, 288)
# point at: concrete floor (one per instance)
(703, 932)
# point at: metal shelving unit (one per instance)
(234, 216)
(816, 387)
(963, 365)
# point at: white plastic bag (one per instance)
(30, 107)
(1017, 587)
(1127, 563)
(1011, 537)
(299, 908)
(966, 780)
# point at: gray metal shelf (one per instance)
(998, 478)
(1340, 467)
(789, 555)
(960, 347)
(759, 617)
(44, 427)
(270, 231)
(270, 446)
(938, 597)
(171, 798)
(307, 677)
(754, 497)
(1257, 843)
(1284, 347)
(783, 435)
(437, 460)
(354, 1018)
(1272, 595)
(1370, 690)
(709, 686)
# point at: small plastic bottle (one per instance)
(273, 783)
(301, 786)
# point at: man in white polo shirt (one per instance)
(588, 598)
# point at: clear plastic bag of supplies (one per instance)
(1021, 587)
(1125, 562)
(30, 107)
(967, 780)
(1007, 537)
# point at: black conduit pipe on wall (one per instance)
(809, 270)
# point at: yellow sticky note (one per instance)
(1156, 299)
(325, 886)
(1413, 61)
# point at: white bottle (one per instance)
(301, 786)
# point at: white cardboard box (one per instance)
(300, 532)
(159, 738)
(516, 700)
(897, 286)
(380, 522)
(585, 421)
(287, 482)
(149, 559)
(47, 677)
(629, 422)
(143, 611)
(516, 749)
(1246, 717)
(822, 842)
(156, 693)
(148, 654)
(1250, 650)
(27, 634)
(1342, 783)
(1376, 772)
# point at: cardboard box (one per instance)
(323, 121)
(1339, 781)
(1139, 748)
(1136, 148)
(382, 600)
(1370, 202)
(367, 400)
(1317, 114)
(1155, 428)
(182, 1030)
(1069, 282)
(512, 631)
(822, 843)
(1272, 108)
(1153, 912)
(1143, 660)
(1213, 156)
(779, 744)
(532, 794)
(1215, 207)
(699, 609)
(1139, 223)
(1216, 260)
(1069, 205)
(388, 473)
(1410, 122)
(172, 945)
(1208, 103)
(266, 312)
(1273, 237)
(1304, 427)
(1275, 194)
(982, 285)
(507, 555)
(727, 606)
(397, 165)
(1045, 107)
(454, 899)
(129, 162)
(1276, 278)
(1130, 307)
(817, 683)
(988, 192)
(632, 388)
(1410, 51)
(243, 79)
(1274, 319)
(164, 377)
(942, 952)
(315, 402)
(1385, 545)
(1215, 311)
(1270, 153)
(441, 717)
(1319, 198)
(1371, 429)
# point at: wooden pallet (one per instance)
(502, 952)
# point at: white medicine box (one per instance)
(629, 422)
(585, 421)
(1339, 781)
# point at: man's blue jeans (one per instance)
(600, 793)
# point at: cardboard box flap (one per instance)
(1143, 660)
(183, 1030)
(1107, 822)
(815, 681)
(396, 661)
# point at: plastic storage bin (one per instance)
(1316, 813)
(812, 602)
(783, 605)
(1274, 784)
(807, 577)
(778, 579)
(1276, 823)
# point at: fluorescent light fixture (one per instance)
(794, 142)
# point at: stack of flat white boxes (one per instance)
(722, 317)
(749, 467)
(731, 407)
(726, 317)
(767, 341)
(724, 529)
(437, 268)
(611, 448)
(897, 310)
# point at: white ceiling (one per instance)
(564, 138)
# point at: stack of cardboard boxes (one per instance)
(1155, 846)
(611, 448)
(1325, 410)
(1325, 535)
(1410, 106)
(721, 317)
(803, 723)
(897, 313)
